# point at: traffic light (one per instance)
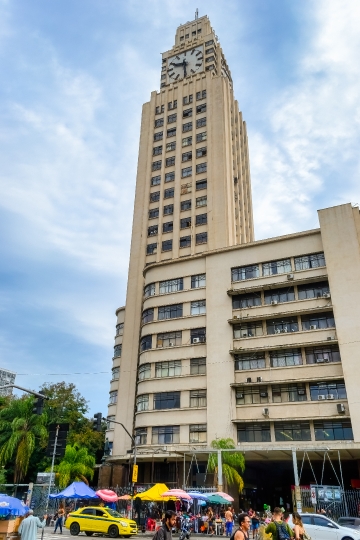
(97, 422)
(38, 405)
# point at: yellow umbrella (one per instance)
(154, 494)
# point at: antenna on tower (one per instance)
(196, 14)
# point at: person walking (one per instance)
(29, 526)
(278, 528)
(244, 526)
(59, 520)
(299, 530)
(229, 518)
(165, 531)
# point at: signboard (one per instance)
(326, 494)
(135, 473)
(313, 495)
(298, 506)
(44, 478)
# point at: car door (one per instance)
(308, 522)
(325, 529)
(87, 520)
(102, 521)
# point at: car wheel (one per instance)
(347, 538)
(113, 531)
(74, 529)
(89, 533)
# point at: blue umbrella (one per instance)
(11, 506)
(197, 495)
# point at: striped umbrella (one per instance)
(178, 493)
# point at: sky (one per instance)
(74, 76)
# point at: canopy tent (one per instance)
(76, 490)
(154, 494)
(216, 499)
(11, 506)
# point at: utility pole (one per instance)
(51, 475)
(220, 474)
(297, 485)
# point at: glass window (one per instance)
(283, 294)
(187, 127)
(159, 122)
(339, 430)
(327, 390)
(171, 368)
(170, 146)
(198, 281)
(109, 422)
(145, 343)
(185, 223)
(187, 113)
(156, 165)
(144, 372)
(166, 400)
(170, 312)
(280, 326)
(201, 108)
(310, 261)
(201, 219)
(155, 196)
(201, 184)
(210, 59)
(198, 398)
(157, 150)
(171, 118)
(165, 435)
(171, 132)
(117, 350)
(197, 366)
(246, 330)
(286, 357)
(241, 301)
(210, 67)
(169, 177)
(200, 95)
(249, 361)
(168, 339)
(185, 205)
(158, 136)
(188, 99)
(151, 249)
(172, 104)
(201, 238)
(201, 201)
(320, 355)
(185, 241)
(282, 393)
(187, 156)
(167, 245)
(317, 321)
(201, 122)
(156, 180)
(120, 329)
(276, 267)
(149, 290)
(168, 226)
(197, 433)
(201, 152)
(202, 167)
(186, 172)
(245, 272)
(148, 315)
(154, 213)
(198, 307)
(140, 436)
(168, 209)
(152, 230)
(171, 285)
(313, 290)
(249, 395)
(113, 397)
(292, 431)
(170, 161)
(187, 141)
(115, 374)
(254, 432)
(142, 403)
(201, 136)
(198, 335)
(159, 109)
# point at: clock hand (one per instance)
(176, 64)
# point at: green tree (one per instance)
(20, 432)
(233, 463)
(76, 465)
(64, 404)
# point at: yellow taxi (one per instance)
(97, 519)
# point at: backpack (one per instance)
(282, 532)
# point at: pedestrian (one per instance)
(299, 530)
(228, 521)
(278, 528)
(244, 526)
(255, 523)
(59, 520)
(165, 531)
(29, 526)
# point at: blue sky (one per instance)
(74, 75)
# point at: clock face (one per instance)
(185, 63)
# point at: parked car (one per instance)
(320, 527)
(352, 522)
(96, 519)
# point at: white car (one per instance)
(320, 527)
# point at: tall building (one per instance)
(6, 377)
(221, 335)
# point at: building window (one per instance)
(172, 368)
(327, 390)
(210, 59)
(144, 372)
(201, 137)
(171, 285)
(200, 95)
(171, 118)
(198, 307)
(140, 436)
(187, 156)
(245, 272)
(158, 136)
(198, 335)
(185, 205)
(113, 397)
(185, 188)
(201, 184)
(201, 108)
(142, 403)
(201, 168)
(153, 230)
(149, 290)
(317, 321)
(197, 366)
(209, 51)
(155, 196)
(249, 395)
(170, 146)
(253, 432)
(197, 433)
(117, 351)
(281, 326)
(201, 238)
(159, 122)
(185, 241)
(169, 177)
(198, 398)
(340, 430)
(187, 113)
(120, 329)
(187, 127)
(249, 361)
(187, 99)
(172, 104)
(241, 301)
(156, 180)
(145, 343)
(246, 330)
(210, 42)
(320, 355)
(186, 172)
(109, 422)
(210, 67)
(171, 132)
(157, 150)
(156, 165)
(154, 213)
(168, 209)
(170, 312)
(187, 141)
(168, 193)
(292, 431)
(159, 109)
(201, 219)
(284, 294)
(151, 249)
(147, 315)
(198, 281)
(168, 227)
(165, 435)
(276, 267)
(170, 161)
(201, 152)
(201, 201)
(310, 261)
(287, 357)
(115, 373)
(185, 223)
(283, 393)
(167, 400)
(166, 245)
(168, 339)
(313, 290)
(201, 122)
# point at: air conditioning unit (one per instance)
(244, 334)
(258, 379)
(263, 394)
(330, 396)
(340, 408)
(171, 344)
(321, 397)
(329, 338)
(327, 295)
(313, 327)
(265, 411)
(248, 379)
(290, 277)
(274, 302)
(196, 340)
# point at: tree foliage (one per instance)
(76, 465)
(233, 463)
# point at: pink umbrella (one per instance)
(124, 498)
(178, 493)
(107, 495)
(224, 496)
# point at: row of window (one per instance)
(172, 339)
(188, 126)
(186, 156)
(185, 223)
(169, 193)
(119, 329)
(187, 171)
(187, 113)
(337, 430)
(188, 99)
(282, 266)
(185, 241)
(174, 285)
(168, 209)
(171, 146)
(197, 307)
(172, 368)
(170, 434)
(282, 294)
(288, 357)
(314, 321)
(170, 400)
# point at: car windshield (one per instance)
(113, 513)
